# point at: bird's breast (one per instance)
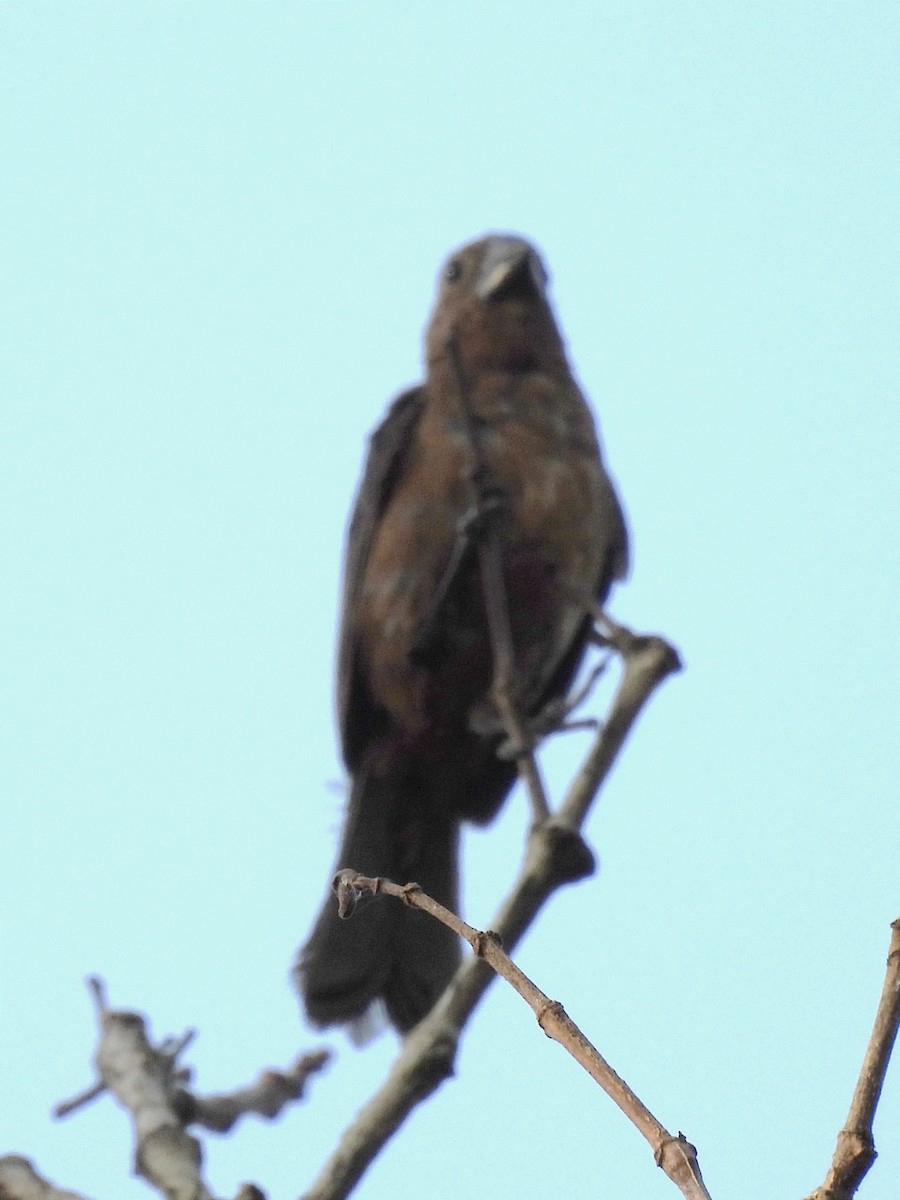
(541, 456)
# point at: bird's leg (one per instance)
(504, 676)
(554, 716)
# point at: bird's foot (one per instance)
(553, 718)
(609, 633)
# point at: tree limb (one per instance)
(855, 1150)
(676, 1156)
(20, 1181)
(147, 1081)
(555, 854)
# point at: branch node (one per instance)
(678, 1158)
(570, 855)
(484, 938)
(550, 1009)
(344, 885)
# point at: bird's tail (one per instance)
(385, 951)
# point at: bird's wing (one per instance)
(618, 557)
(614, 566)
(384, 466)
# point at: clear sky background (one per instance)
(221, 227)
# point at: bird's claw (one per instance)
(552, 718)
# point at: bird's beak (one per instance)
(510, 267)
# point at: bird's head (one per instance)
(492, 297)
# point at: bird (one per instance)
(419, 730)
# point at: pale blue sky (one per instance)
(221, 227)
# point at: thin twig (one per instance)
(149, 1083)
(648, 659)
(855, 1150)
(65, 1107)
(495, 599)
(267, 1097)
(504, 673)
(676, 1156)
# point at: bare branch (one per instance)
(267, 1097)
(149, 1083)
(676, 1156)
(855, 1150)
(141, 1080)
(20, 1181)
(648, 659)
(555, 855)
(66, 1107)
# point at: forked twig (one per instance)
(555, 855)
(148, 1082)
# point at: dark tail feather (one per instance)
(427, 953)
(384, 951)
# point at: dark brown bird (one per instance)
(415, 659)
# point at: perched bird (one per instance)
(418, 729)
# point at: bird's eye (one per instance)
(453, 270)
